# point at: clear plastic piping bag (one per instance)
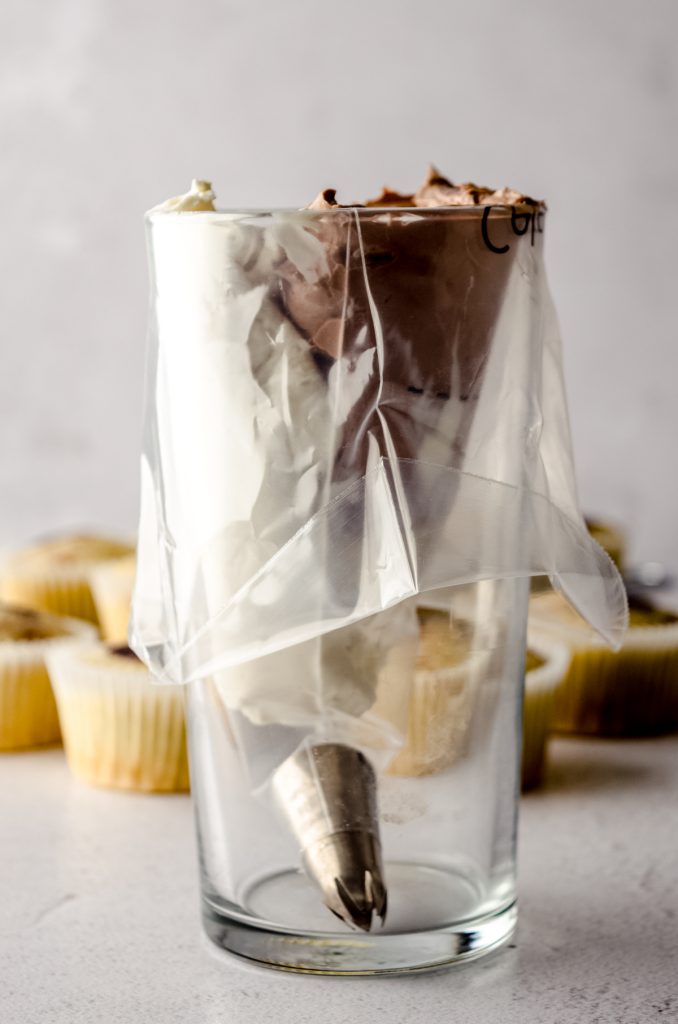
(343, 408)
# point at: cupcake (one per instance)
(546, 663)
(633, 692)
(428, 693)
(112, 584)
(120, 729)
(53, 575)
(28, 714)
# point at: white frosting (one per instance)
(199, 197)
(245, 452)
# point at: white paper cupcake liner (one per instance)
(112, 584)
(28, 712)
(631, 692)
(120, 729)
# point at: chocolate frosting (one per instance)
(121, 651)
(388, 197)
(420, 294)
(403, 318)
(325, 200)
(436, 190)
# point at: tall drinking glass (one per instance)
(357, 454)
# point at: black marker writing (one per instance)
(521, 223)
(524, 218)
(486, 236)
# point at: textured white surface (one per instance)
(100, 910)
(107, 108)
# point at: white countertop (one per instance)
(99, 918)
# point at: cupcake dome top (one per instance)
(69, 552)
(27, 624)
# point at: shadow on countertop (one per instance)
(586, 764)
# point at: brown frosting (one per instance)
(121, 651)
(388, 197)
(325, 200)
(436, 190)
(436, 289)
(407, 310)
(407, 307)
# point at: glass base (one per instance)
(436, 921)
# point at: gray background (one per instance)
(108, 107)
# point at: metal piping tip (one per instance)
(356, 905)
(328, 795)
(347, 868)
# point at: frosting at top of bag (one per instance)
(199, 198)
(435, 191)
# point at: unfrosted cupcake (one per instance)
(112, 585)
(546, 663)
(28, 714)
(53, 575)
(633, 692)
(120, 729)
(431, 699)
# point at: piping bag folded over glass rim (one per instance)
(343, 407)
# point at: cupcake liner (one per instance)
(541, 684)
(120, 729)
(633, 692)
(430, 698)
(441, 705)
(28, 712)
(112, 585)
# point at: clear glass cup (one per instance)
(447, 806)
(357, 454)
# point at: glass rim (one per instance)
(412, 213)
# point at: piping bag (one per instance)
(323, 444)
